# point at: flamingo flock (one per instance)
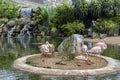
(97, 49)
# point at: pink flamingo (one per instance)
(98, 48)
(46, 49)
(102, 44)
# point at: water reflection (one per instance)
(12, 48)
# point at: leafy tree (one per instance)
(63, 14)
(81, 9)
(95, 9)
(110, 8)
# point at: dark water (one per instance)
(13, 48)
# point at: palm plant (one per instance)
(43, 17)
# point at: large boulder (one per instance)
(71, 44)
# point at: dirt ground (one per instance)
(109, 40)
(57, 62)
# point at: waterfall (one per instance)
(26, 13)
(10, 32)
(24, 30)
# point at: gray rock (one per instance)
(3, 20)
(71, 44)
(11, 23)
(23, 21)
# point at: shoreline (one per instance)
(113, 66)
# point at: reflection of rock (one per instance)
(72, 43)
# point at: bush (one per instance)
(103, 26)
(71, 28)
(63, 14)
(81, 9)
(8, 9)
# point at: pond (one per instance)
(13, 48)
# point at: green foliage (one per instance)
(112, 51)
(116, 19)
(63, 14)
(71, 28)
(81, 9)
(110, 8)
(44, 17)
(95, 9)
(107, 8)
(8, 9)
(6, 60)
(104, 25)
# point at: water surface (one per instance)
(13, 48)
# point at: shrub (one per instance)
(71, 28)
(81, 9)
(63, 14)
(8, 9)
(103, 26)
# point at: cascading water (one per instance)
(9, 32)
(24, 30)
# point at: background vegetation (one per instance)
(66, 19)
(8, 9)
